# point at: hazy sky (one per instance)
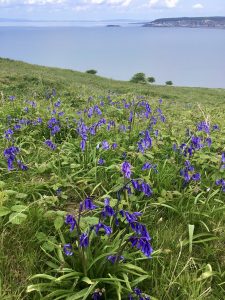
(109, 9)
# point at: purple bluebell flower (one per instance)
(17, 127)
(21, 165)
(83, 145)
(203, 126)
(67, 249)
(8, 133)
(58, 191)
(137, 291)
(208, 141)
(130, 217)
(142, 244)
(87, 204)
(126, 169)
(12, 98)
(114, 146)
(107, 229)
(223, 158)
(10, 154)
(84, 240)
(113, 259)
(55, 129)
(101, 161)
(108, 211)
(215, 127)
(57, 103)
(131, 117)
(146, 189)
(220, 182)
(146, 166)
(70, 220)
(50, 144)
(105, 145)
(97, 295)
(196, 177)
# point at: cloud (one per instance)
(122, 3)
(198, 6)
(163, 3)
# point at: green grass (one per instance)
(186, 223)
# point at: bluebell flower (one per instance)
(114, 258)
(137, 291)
(114, 146)
(126, 169)
(21, 165)
(107, 229)
(88, 204)
(208, 141)
(70, 220)
(97, 295)
(105, 145)
(215, 127)
(67, 249)
(83, 144)
(101, 161)
(17, 127)
(130, 217)
(203, 126)
(10, 155)
(146, 166)
(50, 144)
(108, 211)
(58, 191)
(142, 244)
(8, 133)
(196, 177)
(130, 117)
(55, 129)
(146, 189)
(223, 158)
(84, 240)
(58, 103)
(12, 98)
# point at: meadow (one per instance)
(109, 189)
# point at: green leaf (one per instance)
(4, 211)
(21, 196)
(83, 294)
(58, 223)
(18, 208)
(17, 218)
(191, 232)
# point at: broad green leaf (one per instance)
(19, 208)
(17, 218)
(58, 223)
(4, 211)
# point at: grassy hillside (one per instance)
(90, 169)
(25, 79)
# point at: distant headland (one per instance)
(195, 22)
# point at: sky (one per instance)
(108, 9)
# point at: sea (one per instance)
(187, 56)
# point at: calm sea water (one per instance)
(188, 57)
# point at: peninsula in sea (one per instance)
(195, 22)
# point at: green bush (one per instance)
(92, 71)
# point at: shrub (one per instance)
(169, 82)
(92, 71)
(138, 78)
(151, 79)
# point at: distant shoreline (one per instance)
(195, 22)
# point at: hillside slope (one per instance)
(21, 78)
